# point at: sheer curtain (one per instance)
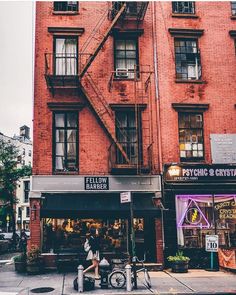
(66, 56)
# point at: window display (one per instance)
(61, 234)
(201, 215)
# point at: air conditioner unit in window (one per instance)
(121, 73)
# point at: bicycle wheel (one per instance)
(117, 279)
(147, 279)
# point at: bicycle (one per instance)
(117, 278)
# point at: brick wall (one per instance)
(218, 73)
(93, 141)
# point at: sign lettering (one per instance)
(96, 183)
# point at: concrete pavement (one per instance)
(163, 282)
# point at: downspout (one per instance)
(157, 98)
(158, 115)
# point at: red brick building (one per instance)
(122, 94)
(196, 79)
(95, 128)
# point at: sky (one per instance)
(16, 75)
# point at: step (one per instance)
(152, 266)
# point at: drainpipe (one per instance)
(157, 98)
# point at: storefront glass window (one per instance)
(201, 215)
(62, 234)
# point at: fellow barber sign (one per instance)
(96, 183)
(200, 173)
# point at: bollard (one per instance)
(80, 279)
(128, 278)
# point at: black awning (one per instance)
(96, 206)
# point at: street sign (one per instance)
(125, 197)
(212, 243)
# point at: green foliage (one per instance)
(33, 255)
(20, 258)
(179, 257)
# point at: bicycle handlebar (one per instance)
(140, 261)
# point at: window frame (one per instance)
(125, 38)
(27, 213)
(191, 159)
(66, 10)
(233, 3)
(26, 191)
(55, 37)
(54, 128)
(185, 39)
(175, 12)
(139, 134)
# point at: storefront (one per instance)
(78, 204)
(203, 199)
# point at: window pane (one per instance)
(71, 136)
(60, 136)
(71, 149)
(120, 44)
(59, 120)
(60, 163)
(131, 45)
(60, 149)
(72, 120)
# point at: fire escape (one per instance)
(78, 77)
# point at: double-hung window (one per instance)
(65, 141)
(126, 58)
(26, 191)
(128, 133)
(191, 144)
(66, 6)
(66, 56)
(183, 7)
(187, 59)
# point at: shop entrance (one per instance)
(70, 234)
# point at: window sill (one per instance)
(233, 17)
(190, 81)
(65, 172)
(125, 79)
(192, 161)
(65, 13)
(185, 15)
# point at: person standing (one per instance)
(92, 246)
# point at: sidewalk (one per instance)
(163, 282)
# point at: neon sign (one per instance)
(193, 217)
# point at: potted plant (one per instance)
(179, 262)
(34, 261)
(20, 262)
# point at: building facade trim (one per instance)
(176, 32)
(180, 107)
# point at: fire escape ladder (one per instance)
(102, 110)
(100, 45)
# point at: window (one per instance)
(26, 191)
(128, 136)
(126, 57)
(19, 212)
(187, 59)
(65, 56)
(191, 144)
(65, 141)
(23, 152)
(183, 7)
(66, 6)
(29, 153)
(233, 8)
(27, 212)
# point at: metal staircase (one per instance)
(102, 42)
